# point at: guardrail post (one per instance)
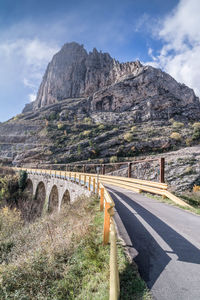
(114, 274)
(98, 188)
(84, 179)
(89, 183)
(162, 169)
(75, 177)
(103, 169)
(129, 169)
(94, 185)
(106, 227)
(79, 178)
(102, 199)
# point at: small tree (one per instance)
(22, 179)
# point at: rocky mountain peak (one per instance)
(75, 73)
(110, 86)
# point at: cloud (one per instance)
(32, 97)
(180, 54)
(24, 61)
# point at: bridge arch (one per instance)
(29, 188)
(39, 200)
(66, 199)
(53, 199)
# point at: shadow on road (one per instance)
(151, 258)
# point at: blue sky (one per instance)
(153, 31)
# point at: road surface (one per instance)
(164, 241)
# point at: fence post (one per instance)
(94, 185)
(103, 169)
(101, 199)
(98, 188)
(162, 169)
(129, 169)
(83, 168)
(114, 274)
(84, 179)
(89, 183)
(106, 227)
(75, 177)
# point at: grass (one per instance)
(61, 256)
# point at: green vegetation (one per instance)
(196, 125)
(22, 179)
(128, 137)
(61, 256)
(175, 136)
(113, 159)
(60, 125)
(177, 125)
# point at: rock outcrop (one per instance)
(75, 73)
(110, 86)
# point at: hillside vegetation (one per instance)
(61, 256)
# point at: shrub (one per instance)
(87, 121)
(60, 125)
(133, 128)
(128, 137)
(196, 134)
(196, 188)
(22, 179)
(175, 136)
(177, 125)
(86, 132)
(188, 141)
(196, 125)
(79, 149)
(113, 159)
(101, 127)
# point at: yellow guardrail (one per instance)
(96, 183)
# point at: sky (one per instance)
(164, 34)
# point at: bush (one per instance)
(60, 125)
(196, 134)
(86, 132)
(113, 159)
(22, 179)
(175, 136)
(196, 188)
(128, 137)
(133, 128)
(188, 141)
(196, 125)
(101, 127)
(87, 121)
(177, 125)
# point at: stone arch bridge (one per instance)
(50, 192)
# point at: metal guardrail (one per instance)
(95, 183)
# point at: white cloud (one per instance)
(32, 97)
(24, 61)
(180, 55)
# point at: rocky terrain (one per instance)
(90, 107)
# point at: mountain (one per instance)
(110, 86)
(90, 107)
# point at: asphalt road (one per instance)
(164, 241)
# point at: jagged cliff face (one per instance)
(110, 86)
(75, 73)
